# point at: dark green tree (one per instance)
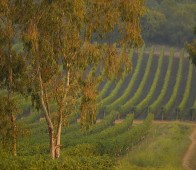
(191, 48)
(12, 65)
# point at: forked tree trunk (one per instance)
(55, 139)
(47, 117)
(61, 110)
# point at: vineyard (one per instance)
(161, 84)
(97, 85)
(159, 87)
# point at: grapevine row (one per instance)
(124, 96)
(146, 100)
(183, 103)
(161, 96)
(126, 107)
(172, 99)
(115, 91)
(106, 122)
(122, 143)
(106, 133)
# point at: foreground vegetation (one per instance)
(162, 149)
(96, 149)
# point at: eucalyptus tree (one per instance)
(191, 47)
(12, 66)
(59, 42)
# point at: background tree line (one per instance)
(169, 22)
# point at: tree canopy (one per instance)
(191, 47)
(169, 22)
(59, 46)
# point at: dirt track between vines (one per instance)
(192, 147)
(159, 122)
(190, 152)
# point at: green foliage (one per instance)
(107, 121)
(105, 89)
(183, 103)
(124, 96)
(74, 132)
(112, 95)
(191, 47)
(163, 149)
(152, 21)
(172, 99)
(105, 134)
(117, 129)
(161, 23)
(122, 143)
(43, 162)
(194, 105)
(161, 96)
(146, 100)
(130, 103)
(7, 108)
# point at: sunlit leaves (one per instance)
(60, 35)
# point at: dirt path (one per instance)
(190, 151)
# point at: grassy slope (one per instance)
(163, 149)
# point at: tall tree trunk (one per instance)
(61, 110)
(47, 116)
(14, 135)
(52, 142)
(58, 137)
(12, 116)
